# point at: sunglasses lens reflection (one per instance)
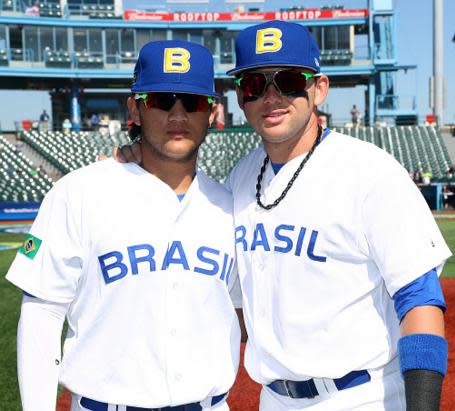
(288, 82)
(165, 101)
(253, 84)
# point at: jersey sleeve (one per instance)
(401, 234)
(49, 263)
(39, 353)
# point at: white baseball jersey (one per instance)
(318, 271)
(151, 322)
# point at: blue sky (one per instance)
(414, 31)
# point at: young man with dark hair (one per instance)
(129, 255)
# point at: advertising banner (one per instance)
(308, 14)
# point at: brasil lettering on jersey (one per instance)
(283, 238)
(210, 261)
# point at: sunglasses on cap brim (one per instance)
(166, 100)
(288, 82)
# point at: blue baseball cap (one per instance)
(174, 66)
(276, 43)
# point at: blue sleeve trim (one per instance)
(426, 290)
(27, 294)
(423, 352)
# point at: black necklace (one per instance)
(291, 181)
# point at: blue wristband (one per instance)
(423, 352)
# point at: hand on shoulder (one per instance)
(128, 153)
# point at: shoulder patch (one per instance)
(30, 246)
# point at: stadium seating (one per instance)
(101, 11)
(87, 60)
(7, 5)
(68, 152)
(17, 54)
(3, 57)
(416, 148)
(93, 11)
(217, 156)
(223, 149)
(336, 57)
(127, 57)
(19, 178)
(50, 9)
(54, 58)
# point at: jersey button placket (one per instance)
(172, 295)
(263, 266)
(173, 299)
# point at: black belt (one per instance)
(94, 405)
(307, 389)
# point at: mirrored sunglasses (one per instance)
(288, 82)
(165, 101)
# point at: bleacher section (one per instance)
(19, 178)
(68, 152)
(223, 149)
(416, 148)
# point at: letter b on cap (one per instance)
(268, 40)
(176, 60)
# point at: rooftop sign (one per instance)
(308, 14)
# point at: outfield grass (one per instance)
(9, 313)
(448, 231)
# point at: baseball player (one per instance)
(151, 324)
(338, 253)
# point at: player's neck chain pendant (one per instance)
(291, 181)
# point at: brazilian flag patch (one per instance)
(30, 246)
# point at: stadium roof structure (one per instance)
(69, 47)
